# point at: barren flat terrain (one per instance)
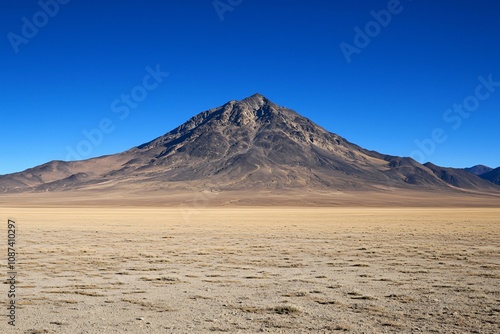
(255, 269)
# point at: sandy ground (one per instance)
(194, 199)
(255, 269)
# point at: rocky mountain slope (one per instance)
(478, 169)
(492, 176)
(244, 145)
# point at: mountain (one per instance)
(252, 144)
(492, 176)
(458, 177)
(478, 169)
(486, 173)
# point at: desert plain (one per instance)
(250, 269)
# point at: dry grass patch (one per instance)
(280, 309)
(219, 281)
(391, 324)
(325, 302)
(295, 294)
(77, 292)
(133, 292)
(196, 297)
(162, 279)
(285, 309)
(146, 305)
(37, 331)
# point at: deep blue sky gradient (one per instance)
(395, 91)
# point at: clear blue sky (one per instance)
(86, 55)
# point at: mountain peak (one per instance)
(256, 101)
(255, 96)
(478, 169)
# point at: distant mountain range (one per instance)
(485, 172)
(478, 169)
(252, 144)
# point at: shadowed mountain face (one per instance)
(248, 144)
(492, 176)
(457, 177)
(478, 169)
